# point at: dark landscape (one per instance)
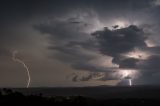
(86, 96)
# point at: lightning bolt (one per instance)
(130, 82)
(24, 65)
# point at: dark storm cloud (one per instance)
(88, 44)
(15, 12)
(119, 41)
(67, 23)
(77, 58)
(60, 30)
(111, 42)
(127, 63)
(151, 65)
(70, 43)
(149, 70)
(26, 9)
(71, 54)
(115, 42)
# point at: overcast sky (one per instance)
(80, 42)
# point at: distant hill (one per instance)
(101, 92)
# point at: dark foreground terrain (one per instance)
(88, 96)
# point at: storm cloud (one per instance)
(115, 42)
(75, 45)
(100, 39)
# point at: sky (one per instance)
(66, 43)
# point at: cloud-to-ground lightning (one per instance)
(128, 74)
(130, 82)
(24, 65)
